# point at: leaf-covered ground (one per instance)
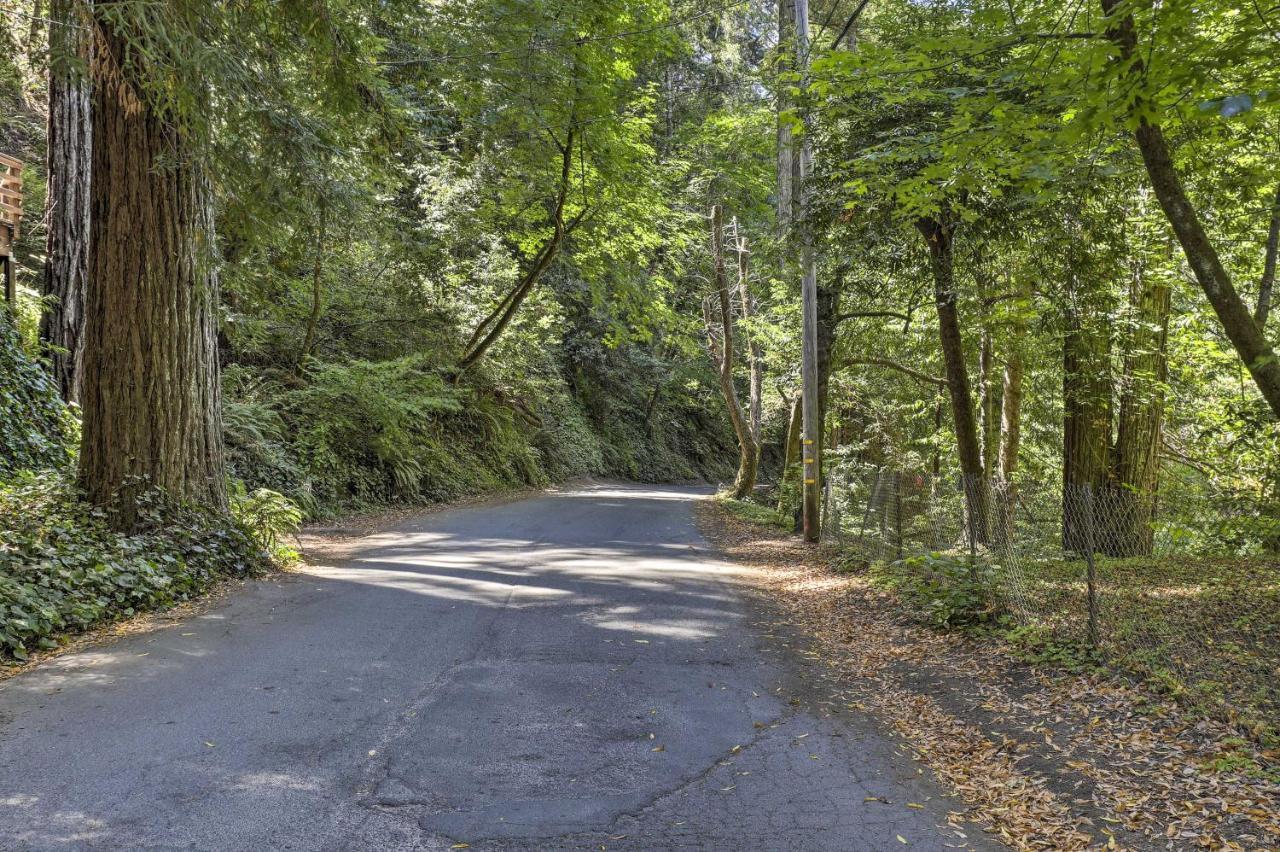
(1204, 627)
(1045, 759)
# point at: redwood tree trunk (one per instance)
(1086, 405)
(1130, 503)
(66, 265)
(150, 389)
(937, 235)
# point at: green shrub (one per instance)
(270, 517)
(63, 569)
(566, 442)
(365, 433)
(34, 423)
(754, 512)
(943, 589)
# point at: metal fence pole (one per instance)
(1091, 565)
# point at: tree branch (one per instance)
(868, 314)
(894, 365)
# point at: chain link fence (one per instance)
(1177, 586)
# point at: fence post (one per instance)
(1091, 565)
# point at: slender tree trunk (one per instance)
(492, 327)
(70, 152)
(787, 163)
(1011, 423)
(1010, 417)
(938, 234)
(755, 358)
(810, 367)
(1011, 392)
(828, 310)
(936, 467)
(788, 204)
(150, 393)
(317, 290)
(988, 399)
(790, 478)
(748, 450)
(1241, 328)
(1268, 280)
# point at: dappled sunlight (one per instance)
(272, 694)
(61, 827)
(273, 781)
(630, 494)
(18, 800)
(487, 592)
(685, 628)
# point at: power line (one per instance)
(19, 14)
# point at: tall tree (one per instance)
(151, 398)
(938, 232)
(1201, 251)
(69, 154)
(722, 356)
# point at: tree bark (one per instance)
(1011, 395)
(790, 477)
(1006, 463)
(938, 236)
(787, 163)
(810, 294)
(151, 400)
(1129, 505)
(988, 400)
(1268, 280)
(69, 156)
(755, 405)
(828, 315)
(317, 290)
(1244, 333)
(748, 449)
(1086, 405)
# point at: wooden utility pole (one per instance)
(812, 436)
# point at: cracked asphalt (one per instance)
(577, 670)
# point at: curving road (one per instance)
(572, 671)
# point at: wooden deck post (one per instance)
(10, 219)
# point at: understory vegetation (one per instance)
(433, 279)
(1045, 747)
(978, 293)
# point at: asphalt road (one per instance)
(572, 671)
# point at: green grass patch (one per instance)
(756, 513)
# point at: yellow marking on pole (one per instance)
(810, 481)
(808, 440)
(808, 461)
